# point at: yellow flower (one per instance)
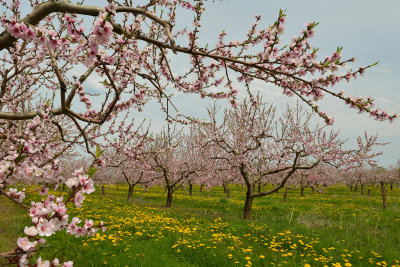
(347, 264)
(262, 257)
(307, 265)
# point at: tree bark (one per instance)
(355, 188)
(368, 192)
(249, 203)
(302, 191)
(362, 189)
(130, 192)
(169, 197)
(228, 192)
(224, 186)
(285, 195)
(383, 189)
(259, 187)
(63, 188)
(201, 188)
(190, 189)
(391, 187)
(103, 190)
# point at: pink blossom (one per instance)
(45, 228)
(83, 178)
(41, 263)
(79, 197)
(79, 171)
(88, 187)
(31, 231)
(24, 243)
(88, 223)
(44, 191)
(71, 182)
(61, 209)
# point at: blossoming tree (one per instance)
(258, 146)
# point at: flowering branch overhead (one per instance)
(292, 67)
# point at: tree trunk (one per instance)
(383, 195)
(302, 191)
(362, 189)
(391, 187)
(285, 195)
(117, 187)
(351, 187)
(259, 187)
(368, 192)
(169, 197)
(248, 204)
(224, 186)
(63, 187)
(103, 190)
(228, 192)
(190, 189)
(201, 188)
(313, 190)
(355, 188)
(130, 192)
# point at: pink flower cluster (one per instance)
(81, 91)
(50, 216)
(19, 196)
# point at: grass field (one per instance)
(338, 228)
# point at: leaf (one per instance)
(99, 152)
(92, 170)
(20, 158)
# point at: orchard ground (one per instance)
(337, 228)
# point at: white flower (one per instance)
(31, 231)
(72, 182)
(78, 172)
(41, 263)
(45, 228)
(68, 264)
(56, 262)
(24, 243)
(23, 261)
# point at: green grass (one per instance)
(207, 230)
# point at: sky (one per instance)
(368, 30)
